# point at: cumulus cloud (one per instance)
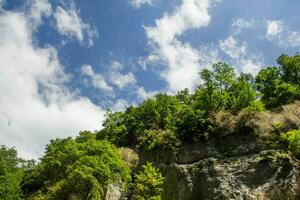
(139, 3)
(69, 24)
(280, 34)
(96, 79)
(274, 29)
(35, 104)
(183, 62)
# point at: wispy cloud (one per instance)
(119, 79)
(139, 3)
(240, 55)
(96, 79)
(240, 24)
(69, 24)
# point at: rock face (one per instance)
(237, 168)
(265, 175)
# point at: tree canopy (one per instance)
(80, 168)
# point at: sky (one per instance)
(63, 63)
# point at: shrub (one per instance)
(293, 140)
(256, 106)
(158, 139)
(291, 115)
(129, 156)
(148, 184)
(223, 122)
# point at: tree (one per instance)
(114, 127)
(148, 184)
(290, 68)
(79, 169)
(223, 89)
(275, 92)
(11, 173)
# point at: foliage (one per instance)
(161, 139)
(293, 140)
(280, 85)
(11, 173)
(223, 89)
(114, 127)
(79, 168)
(129, 157)
(148, 183)
(256, 106)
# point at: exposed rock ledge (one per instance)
(237, 167)
(265, 175)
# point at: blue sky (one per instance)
(64, 62)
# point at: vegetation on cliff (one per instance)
(224, 104)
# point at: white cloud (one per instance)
(293, 39)
(231, 48)
(183, 62)
(69, 24)
(280, 34)
(97, 80)
(274, 29)
(240, 24)
(35, 104)
(120, 105)
(122, 80)
(139, 3)
(143, 94)
(119, 79)
(38, 9)
(240, 56)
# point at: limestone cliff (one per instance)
(235, 167)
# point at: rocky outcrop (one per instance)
(237, 167)
(265, 175)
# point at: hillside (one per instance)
(235, 137)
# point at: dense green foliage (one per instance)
(148, 184)
(166, 121)
(280, 85)
(293, 141)
(10, 174)
(78, 168)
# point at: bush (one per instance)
(148, 184)
(158, 139)
(293, 140)
(256, 106)
(291, 115)
(129, 157)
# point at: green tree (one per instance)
(223, 89)
(148, 184)
(11, 173)
(79, 169)
(114, 127)
(275, 92)
(290, 67)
